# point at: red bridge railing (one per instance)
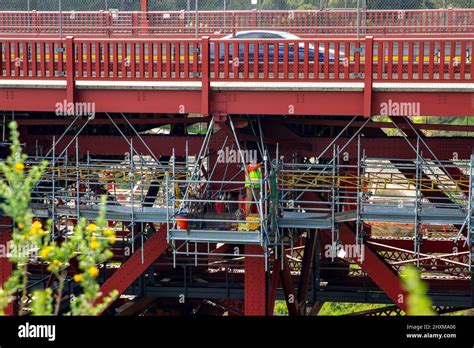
(117, 23)
(304, 60)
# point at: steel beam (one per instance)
(237, 102)
(115, 145)
(136, 265)
(443, 246)
(272, 291)
(392, 147)
(306, 269)
(255, 281)
(289, 292)
(381, 273)
(335, 122)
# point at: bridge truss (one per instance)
(346, 198)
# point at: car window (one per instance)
(248, 36)
(272, 36)
(258, 35)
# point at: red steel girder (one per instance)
(237, 102)
(379, 271)
(392, 147)
(288, 287)
(305, 275)
(134, 267)
(272, 291)
(395, 147)
(254, 283)
(378, 125)
(116, 144)
(156, 120)
(427, 245)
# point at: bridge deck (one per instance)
(225, 76)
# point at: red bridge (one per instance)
(394, 187)
(450, 22)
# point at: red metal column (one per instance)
(70, 73)
(255, 281)
(206, 86)
(134, 267)
(272, 291)
(307, 266)
(369, 48)
(288, 288)
(6, 267)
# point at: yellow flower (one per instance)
(19, 167)
(94, 244)
(92, 228)
(93, 271)
(21, 226)
(34, 232)
(108, 232)
(78, 277)
(36, 228)
(54, 266)
(112, 239)
(46, 251)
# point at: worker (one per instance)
(254, 172)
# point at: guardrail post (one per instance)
(368, 75)
(70, 71)
(108, 23)
(206, 86)
(143, 21)
(35, 21)
(233, 25)
(135, 23)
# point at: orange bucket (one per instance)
(182, 221)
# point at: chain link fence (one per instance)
(228, 5)
(221, 17)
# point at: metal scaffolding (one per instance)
(381, 196)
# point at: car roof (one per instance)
(284, 34)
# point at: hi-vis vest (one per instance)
(255, 176)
